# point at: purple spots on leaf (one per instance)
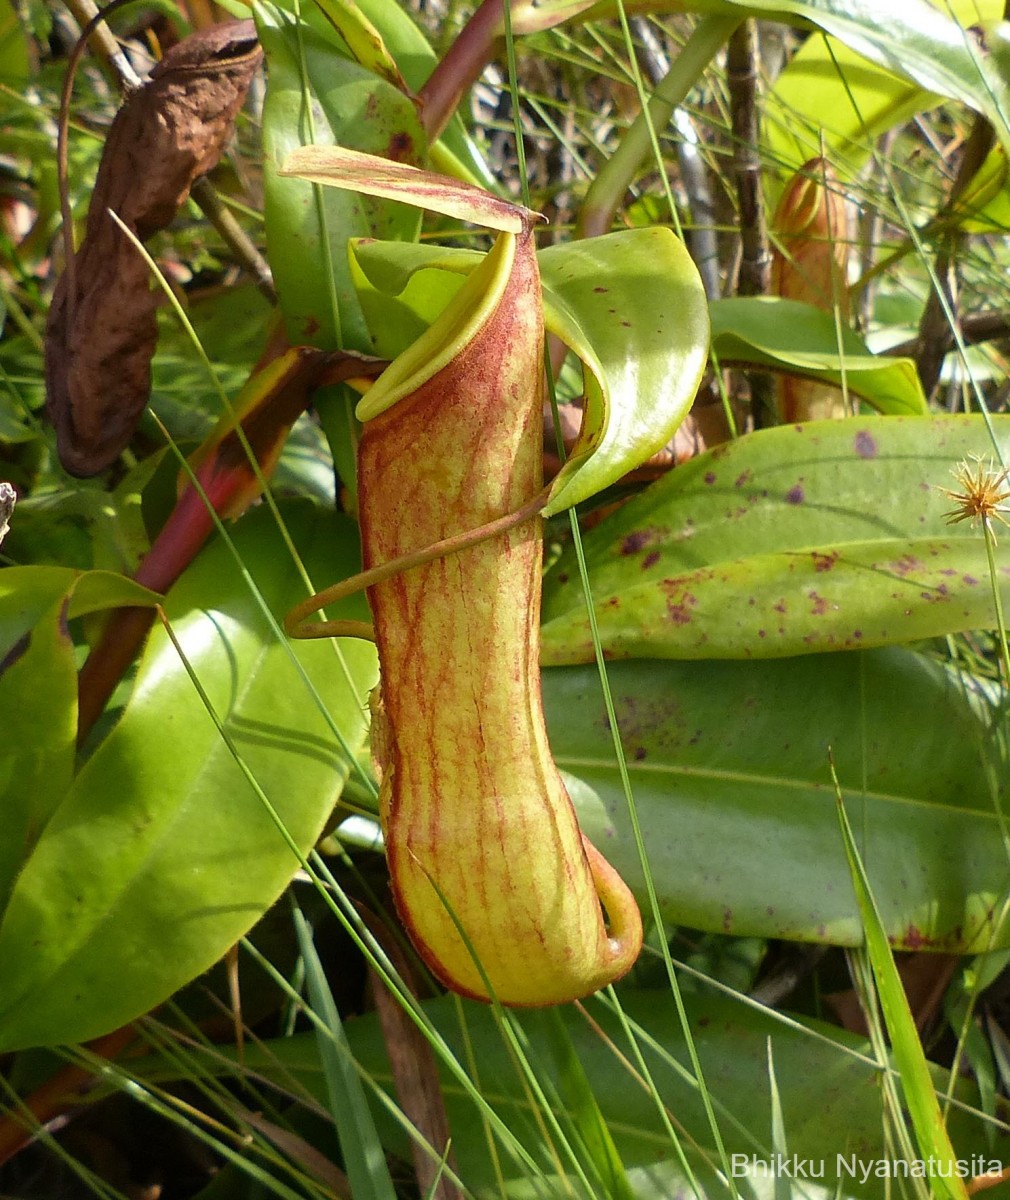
(650, 560)
(819, 605)
(824, 562)
(865, 445)
(401, 147)
(635, 541)
(795, 495)
(679, 602)
(915, 939)
(906, 565)
(710, 477)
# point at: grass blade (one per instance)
(917, 1086)
(364, 1160)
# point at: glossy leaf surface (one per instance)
(632, 307)
(38, 697)
(162, 854)
(415, 59)
(916, 40)
(26, 593)
(38, 694)
(307, 231)
(830, 99)
(729, 767)
(829, 535)
(786, 335)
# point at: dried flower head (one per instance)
(981, 493)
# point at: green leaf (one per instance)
(786, 335)
(909, 1057)
(840, 596)
(162, 853)
(914, 39)
(38, 694)
(27, 593)
(307, 232)
(38, 699)
(14, 54)
(827, 535)
(632, 307)
(363, 40)
(831, 100)
(729, 767)
(416, 60)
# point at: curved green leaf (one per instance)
(841, 596)
(827, 535)
(307, 233)
(364, 41)
(830, 100)
(38, 694)
(632, 306)
(915, 39)
(786, 335)
(162, 854)
(730, 771)
(27, 593)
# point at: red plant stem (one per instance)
(172, 551)
(461, 67)
(228, 482)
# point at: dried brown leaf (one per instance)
(101, 332)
